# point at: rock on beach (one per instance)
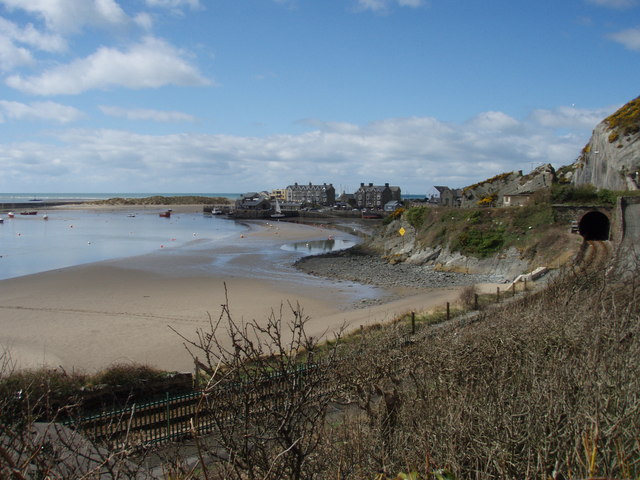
(357, 266)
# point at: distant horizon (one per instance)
(40, 195)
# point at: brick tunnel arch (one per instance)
(594, 226)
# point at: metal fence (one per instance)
(181, 416)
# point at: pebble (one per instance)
(372, 270)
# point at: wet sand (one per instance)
(91, 316)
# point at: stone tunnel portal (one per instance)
(594, 226)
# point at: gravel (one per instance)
(353, 265)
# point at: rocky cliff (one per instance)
(502, 242)
(611, 159)
(491, 192)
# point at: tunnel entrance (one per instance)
(594, 226)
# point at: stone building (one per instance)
(449, 197)
(376, 196)
(324, 194)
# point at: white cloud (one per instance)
(144, 21)
(414, 153)
(32, 37)
(150, 64)
(174, 4)
(571, 117)
(147, 114)
(12, 56)
(493, 121)
(40, 111)
(71, 16)
(384, 5)
(629, 38)
(613, 3)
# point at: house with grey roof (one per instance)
(324, 194)
(376, 196)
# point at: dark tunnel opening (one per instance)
(594, 226)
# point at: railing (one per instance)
(181, 416)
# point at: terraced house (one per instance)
(376, 196)
(324, 194)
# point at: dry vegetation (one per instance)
(547, 387)
(544, 387)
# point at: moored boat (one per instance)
(166, 214)
(29, 212)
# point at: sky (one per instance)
(250, 95)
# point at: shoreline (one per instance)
(91, 316)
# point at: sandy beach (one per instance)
(120, 311)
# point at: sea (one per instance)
(30, 244)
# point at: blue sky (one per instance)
(243, 95)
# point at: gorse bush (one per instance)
(416, 216)
(583, 194)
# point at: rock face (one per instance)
(491, 192)
(611, 159)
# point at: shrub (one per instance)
(125, 374)
(416, 216)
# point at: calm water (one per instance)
(30, 244)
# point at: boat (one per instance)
(131, 215)
(45, 217)
(11, 214)
(277, 211)
(1, 220)
(370, 215)
(166, 214)
(29, 212)
(216, 211)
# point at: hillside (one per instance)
(504, 241)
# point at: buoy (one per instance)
(241, 236)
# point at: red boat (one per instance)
(166, 214)
(30, 212)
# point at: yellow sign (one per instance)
(402, 231)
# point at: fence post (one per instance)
(448, 311)
(513, 289)
(475, 301)
(497, 294)
(168, 416)
(525, 284)
(413, 323)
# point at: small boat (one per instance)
(11, 214)
(278, 211)
(131, 215)
(1, 220)
(29, 212)
(371, 215)
(216, 211)
(166, 214)
(45, 217)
